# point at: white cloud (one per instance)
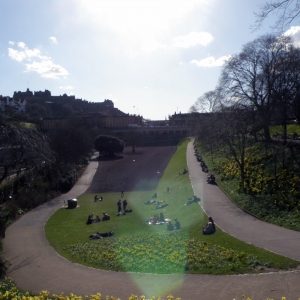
(47, 69)
(11, 43)
(25, 54)
(53, 39)
(22, 45)
(211, 61)
(294, 33)
(192, 39)
(67, 87)
(43, 65)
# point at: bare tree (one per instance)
(22, 149)
(71, 143)
(206, 102)
(286, 10)
(236, 122)
(259, 76)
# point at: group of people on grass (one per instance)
(96, 198)
(91, 219)
(209, 228)
(157, 219)
(161, 220)
(105, 216)
(175, 226)
(124, 203)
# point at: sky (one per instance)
(151, 58)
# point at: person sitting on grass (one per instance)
(105, 217)
(210, 227)
(154, 219)
(97, 219)
(170, 226)
(95, 198)
(176, 224)
(161, 218)
(90, 219)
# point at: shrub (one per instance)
(108, 145)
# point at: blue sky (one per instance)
(150, 57)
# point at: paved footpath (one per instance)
(235, 221)
(35, 266)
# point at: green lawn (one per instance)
(138, 246)
(278, 129)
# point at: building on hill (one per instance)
(91, 120)
(41, 94)
(156, 123)
(188, 119)
(19, 105)
(20, 95)
(55, 104)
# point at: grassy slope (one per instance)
(291, 129)
(191, 218)
(261, 204)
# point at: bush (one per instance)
(108, 145)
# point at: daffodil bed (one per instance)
(9, 291)
(270, 191)
(172, 252)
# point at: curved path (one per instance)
(35, 266)
(235, 221)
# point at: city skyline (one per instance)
(151, 58)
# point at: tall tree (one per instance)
(22, 149)
(236, 124)
(205, 103)
(259, 76)
(287, 11)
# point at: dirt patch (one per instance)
(139, 171)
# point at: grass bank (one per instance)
(139, 247)
(271, 188)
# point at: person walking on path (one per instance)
(119, 206)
